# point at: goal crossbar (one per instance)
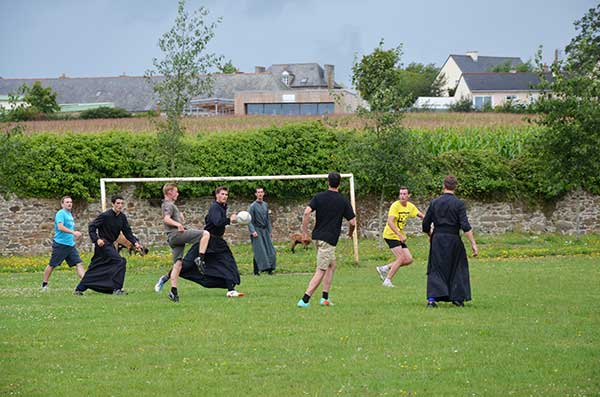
(103, 182)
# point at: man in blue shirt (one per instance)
(63, 244)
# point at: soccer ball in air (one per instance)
(244, 217)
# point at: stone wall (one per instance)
(27, 227)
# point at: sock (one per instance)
(201, 255)
(387, 280)
(164, 279)
(44, 283)
(325, 295)
(305, 298)
(174, 290)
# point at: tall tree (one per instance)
(41, 99)
(570, 113)
(182, 73)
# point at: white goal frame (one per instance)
(103, 182)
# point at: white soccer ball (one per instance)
(243, 217)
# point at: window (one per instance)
(290, 109)
(285, 77)
(479, 102)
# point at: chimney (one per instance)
(259, 69)
(330, 76)
(556, 56)
(473, 54)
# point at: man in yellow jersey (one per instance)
(394, 235)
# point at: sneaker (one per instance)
(387, 283)
(200, 263)
(160, 283)
(382, 272)
(173, 297)
(302, 304)
(234, 294)
(78, 292)
(431, 305)
(325, 302)
(119, 292)
(458, 303)
(44, 288)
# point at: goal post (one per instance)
(103, 182)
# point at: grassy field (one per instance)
(194, 125)
(532, 329)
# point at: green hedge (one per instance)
(491, 164)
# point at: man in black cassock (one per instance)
(447, 267)
(217, 268)
(106, 272)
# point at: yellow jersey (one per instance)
(401, 214)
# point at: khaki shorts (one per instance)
(325, 254)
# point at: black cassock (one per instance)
(220, 270)
(106, 272)
(447, 266)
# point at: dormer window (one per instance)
(285, 77)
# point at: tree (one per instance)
(43, 100)
(508, 66)
(228, 68)
(570, 113)
(182, 73)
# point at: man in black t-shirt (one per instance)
(330, 207)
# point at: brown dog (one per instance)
(297, 239)
(122, 242)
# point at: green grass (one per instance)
(533, 328)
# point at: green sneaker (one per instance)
(302, 304)
(325, 302)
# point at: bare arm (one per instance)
(172, 222)
(391, 222)
(471, 238)
(65, 229)
(352, 227)
(304, 228)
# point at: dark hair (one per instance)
(116, 197)
(220, 189)
(450, 182)
(62, 200)
(334, 179)
(403, 188)
(259, 187)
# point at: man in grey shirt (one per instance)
(177, 237)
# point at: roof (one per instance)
(136, 94)
(483, 63)
(518, 81)
(303, 74)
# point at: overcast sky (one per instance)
(85, 38)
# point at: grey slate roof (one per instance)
(135, 93)
(305, 75)
(519, 81)
(483, 63)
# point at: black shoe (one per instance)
(458, 303)
(431, 305)
(173, 297)
(78, 292)
(119, 292)
(200, 263)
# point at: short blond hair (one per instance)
(168, 187)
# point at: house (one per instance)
(456, 65)
(304, 88)
(494, 89)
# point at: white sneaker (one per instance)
(387, 283)
(234, 294)
(159, 284)
(45, 289)
(382, 272)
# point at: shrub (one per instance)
(104, 112)
(462, 105)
